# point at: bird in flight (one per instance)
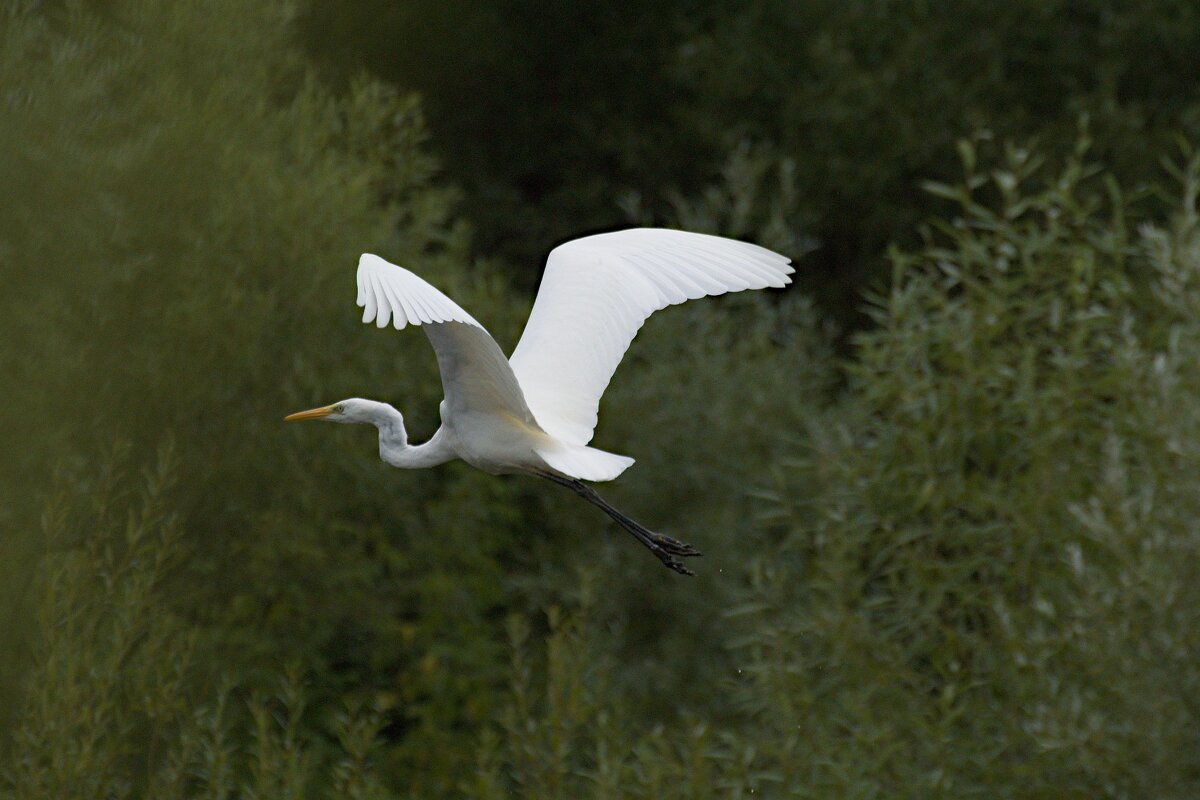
(534, 413)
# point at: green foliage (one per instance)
(111, 706)
(960, 563)
(182, 257)
(95, 699)
(186, 261)
(867, 99)
(981, 578)
(548, 114)
(543, 113)
(993, 582)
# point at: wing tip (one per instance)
(786, 271)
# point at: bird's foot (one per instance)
(670, 562)
(673, 546)
(665, 548)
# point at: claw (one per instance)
(674, 546)
(681, 569)
(671, 563)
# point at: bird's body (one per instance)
(499, 444)
(534, 413)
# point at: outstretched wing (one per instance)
(476, 376)
(598, 291)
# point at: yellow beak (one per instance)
(312, 413)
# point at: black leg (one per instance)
(663, 547)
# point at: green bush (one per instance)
(192, 205)
(568, 109)
(982, 579)
(958, 563)
(111, 708)
(183, 264)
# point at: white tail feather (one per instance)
(582, 462)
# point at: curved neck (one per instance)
(418, 456)
(393, 442)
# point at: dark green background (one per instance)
(946, 485)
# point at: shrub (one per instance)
(116, 704)
(181, 259)
(983, 575)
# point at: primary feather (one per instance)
(388, 292)
(476, 377)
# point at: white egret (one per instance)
(534, 413)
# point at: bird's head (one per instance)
(352, 410)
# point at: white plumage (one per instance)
(596, 294)
(535, 412)
(386, 291)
